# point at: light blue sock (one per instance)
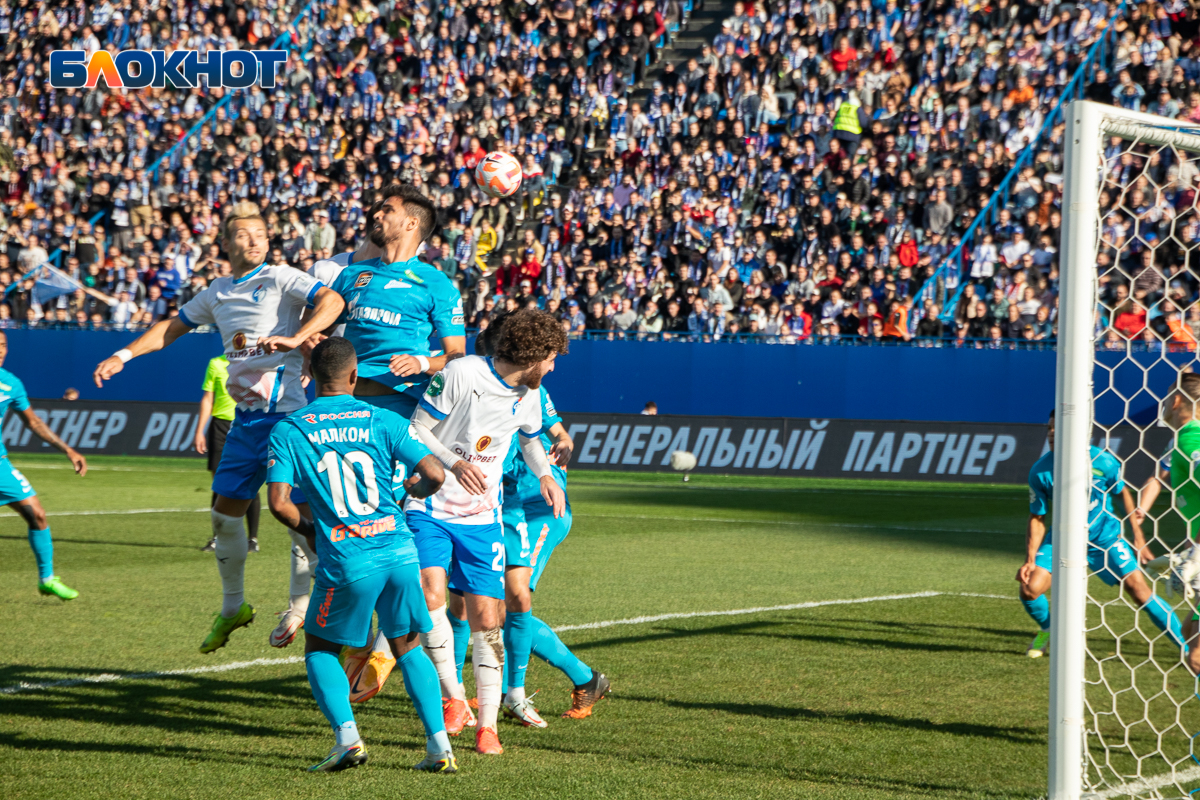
(548, 647)
(43, 552)
(504, 675)
(518, 641)
(1039, 609)
(1162, 616)
(462, 637)
(421, 682)
(331, 689)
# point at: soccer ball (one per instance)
(498, 174)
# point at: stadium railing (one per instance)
(174, 155)
(1100, 56)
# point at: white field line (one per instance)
(801, 523)
(117, 513)
(1145, 785)
(726, 520)
(26, 465)
(263, 662)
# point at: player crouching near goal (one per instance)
(1109, 555)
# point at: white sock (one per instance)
(488, 660)
(515, 694)
(439, 645)
(304, 565)
(383, 646)
(231, 549)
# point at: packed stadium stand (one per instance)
(806, 171)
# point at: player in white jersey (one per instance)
(304, 561)
(257, 312)
(467, 418)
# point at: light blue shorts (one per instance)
(342, 614)
(14, 487)
(243, 467)
(1110, 564)
(530, 535)
(471, 555)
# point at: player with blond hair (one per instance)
(257, 311)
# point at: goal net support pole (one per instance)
(1088, 125)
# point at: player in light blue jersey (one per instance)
(350, 459)
(17, 493)
(1109, 555)
(531, 533)
(257, 310)
(396, 302)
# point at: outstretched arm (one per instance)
(327, 307)
(563, 446)
(1139, 537)
(161, 334)
(48, 436)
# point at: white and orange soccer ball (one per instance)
(498, 174)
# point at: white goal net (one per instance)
(1124, 713)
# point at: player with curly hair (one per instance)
(468, 417)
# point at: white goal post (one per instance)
(1124, 716)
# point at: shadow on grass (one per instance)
(847, 632)
(1022, 735)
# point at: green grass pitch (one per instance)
(916, 697)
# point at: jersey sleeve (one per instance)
(300, 286)
(20, 397)
(210, 377)
(1039, 492)
(1111, 468)
(281, 467)
(531, 418)
(447, 308)
(198, 311)
(444, 389)
(550, 415)
(406, 448)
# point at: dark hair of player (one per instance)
(485, 342)
(415, 204)
(528, 337)
(332, 359)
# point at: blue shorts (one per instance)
(530, 535)
(342, 614)
(14, 487)
(402, 404)
(243, 467)
(1110, 564)
(472, 555)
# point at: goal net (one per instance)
(1124, 712)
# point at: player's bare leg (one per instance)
(229, 530)
(1033, 597)
(487, 656)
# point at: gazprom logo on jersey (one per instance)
(138, 69)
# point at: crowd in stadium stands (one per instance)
(799, 178)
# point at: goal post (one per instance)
(1124, 716)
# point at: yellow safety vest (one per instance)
(846, 119)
